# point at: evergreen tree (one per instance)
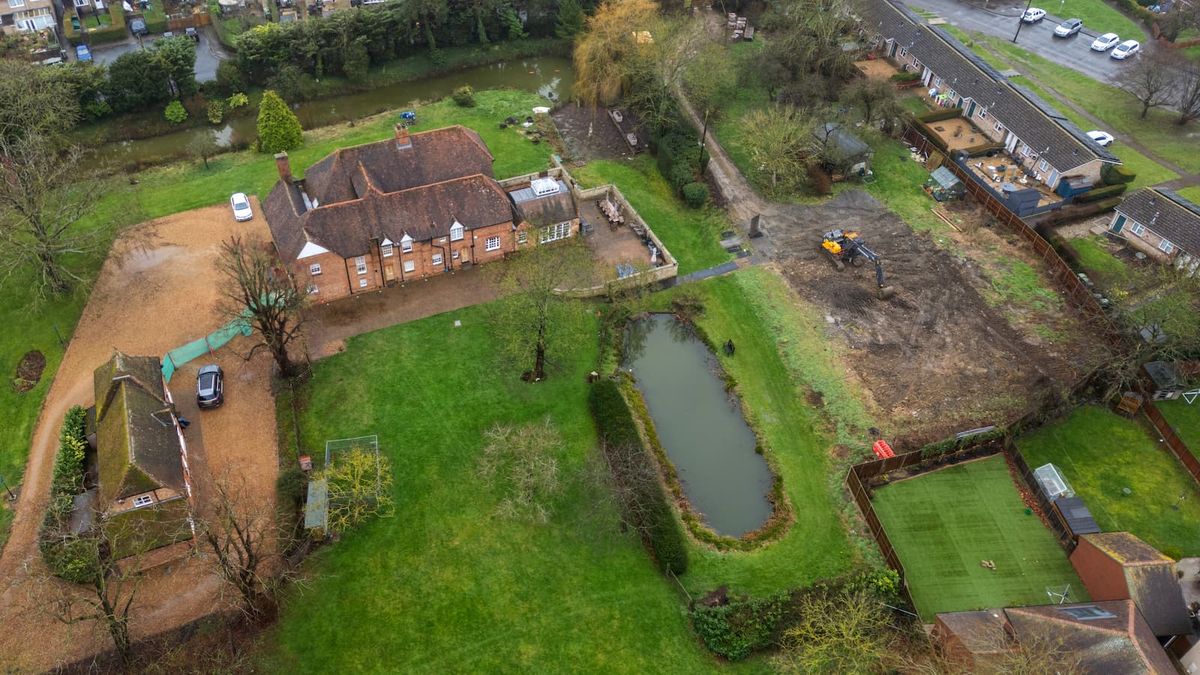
(278, 127)
(570, 19)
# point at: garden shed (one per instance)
(1075, 517)
(842, 151)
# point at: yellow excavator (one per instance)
(846, 247)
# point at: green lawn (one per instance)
(944, 523)
(1184, 419)
(1102, 266)
(444, 585)
(751, 307)
(1101, 454)
(1099, 17)
(1191, 193)
(898, 181)
(691, 235)
(188, 185)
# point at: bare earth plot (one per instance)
(156, 291)
(945, 523)
(946, 353)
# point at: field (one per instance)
(943, 524)
(1102, 454)
(1184, 419)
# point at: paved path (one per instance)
(1000, 19)
(209, 52)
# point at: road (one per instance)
(1000, 20)
(209, 52)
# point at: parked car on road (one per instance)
(138, 27)
(210, 386)
(192, 33)
(1102, 138)
(1126, 49)
(83, 53)
(241, 207)
(1068, 28)
(1105, 42)
(1033, 15)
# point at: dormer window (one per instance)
(406, 244)
(456, 231)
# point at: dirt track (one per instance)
(938, 357)
(156, 291)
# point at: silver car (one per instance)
(241, 207)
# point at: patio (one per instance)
(612, 246)
(958, 133)
(876, 69)
(1002, 169)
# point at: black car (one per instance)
(191, 32)
(210, 387)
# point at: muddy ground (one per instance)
(939, 356)
(589, 133)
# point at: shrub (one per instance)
(695, 195)
(229, 77)
(237, 100)
(216, 111)
(356, 61)
(70, 558)
(278, 128)
(740, 628)
(1116, 174)
(175, 112)
(291, 486)
(681, 174)
(74, 559)
(464, 96)
(1096, 194)
(906, 76)
(646, 501)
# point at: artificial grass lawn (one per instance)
(1101, 453)
(737, 307)
(944, 523)
(693, 236)
(444, 585)
(1184, 418)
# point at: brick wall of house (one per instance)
(330, 284)
(1103, 577)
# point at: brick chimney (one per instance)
(402, 139)
(284, 165)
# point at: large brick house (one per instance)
(407, 208)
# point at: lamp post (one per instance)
(1021, 20)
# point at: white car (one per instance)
(1102, 138)
(1105, 42)
(1126, 49)
(1033, 15)
(241, 207)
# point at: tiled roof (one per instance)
(1168, 214)
(1150, 579)
(544, 210)
(1035, 122)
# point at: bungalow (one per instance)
(1038, 137)
(141, 455)
(1162, 224)
(407, 208)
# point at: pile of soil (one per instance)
(937, 357)
(29, 371)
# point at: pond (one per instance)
(699, 424)
(550, 76)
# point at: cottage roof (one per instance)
(1168, 214)
(1040, 126)
(544, 209)
(980, 632)
(1150, 578)
(137, 445)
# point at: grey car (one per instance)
(210, 386)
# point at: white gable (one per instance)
(310, 249)
(457, 225)
(387, 242)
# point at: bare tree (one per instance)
(619, 35)
(843, 632)
(258, 291)
(521, 462)
(876, 99)
(780, 143)
(534, 317)
(1151, 78)
(44, 194)
(247, 545)
(1188, 85)
(359, 488)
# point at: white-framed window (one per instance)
(16, 3)
(387, 250)
(983, 113)
(360, 264)
(1043, 165)
(522, 237)
(456, 232)
(454, 255)
(410, 266)
(1166, 247)
(437, 259)
(904, 51)
(82, 3)
(999, 127)
(406, 244)
(314, 269)
(937, 82)
(555, 232)
(362, 283)
(1138, 229)
(491, 244)
(142, 500)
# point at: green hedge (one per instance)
(1116, 174)
(68, 557)
(939, 115)
(623, 444)
(1096, 194)
(906, 76)
(742, 627)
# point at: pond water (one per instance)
(550, 76)
(699, 425)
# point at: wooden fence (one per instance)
(1026, 472)
(1076, 291)
(1172, 439)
